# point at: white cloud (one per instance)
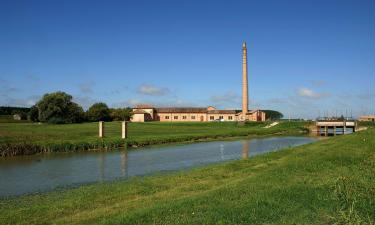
(308, 93)
(148, 89)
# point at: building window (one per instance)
(221, 117)
(230, 118)
(212, 117)
(184, 117)
(167, 117)
(175, 117)
(193, 117)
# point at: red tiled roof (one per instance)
(143, 106)
(139, 111)
(181, 110)
(221, 112)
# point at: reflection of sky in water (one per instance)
(339, 130)
(44, 172)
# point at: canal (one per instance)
(45, 172)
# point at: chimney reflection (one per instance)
(102, 166)
(245, 149)
(124, 163)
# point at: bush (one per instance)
(33, 114)
(122, 114)
(99, 112)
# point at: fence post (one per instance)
(124, 130)
(101, 129)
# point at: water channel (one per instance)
(45, 172)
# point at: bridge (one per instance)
(335, 126)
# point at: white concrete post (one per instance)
(101, 129)
(124, 130)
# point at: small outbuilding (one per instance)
(17, 117)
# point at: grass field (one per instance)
(30, 138)
(328, 182)
(9, 119)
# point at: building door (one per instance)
(201, 118)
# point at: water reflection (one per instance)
(245, 149)
(27, 174)
(124, 163)
(101, 166)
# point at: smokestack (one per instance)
(245, 94)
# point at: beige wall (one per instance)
(226, 117)
(257, 116)
(138, 118)
(181, 117)
(195, 117)
(367, 118)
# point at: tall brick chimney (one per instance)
(245, 91)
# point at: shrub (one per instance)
(121, 114)
(99, 112)
(33, 114)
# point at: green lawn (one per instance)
(328, 182)
(29, 138)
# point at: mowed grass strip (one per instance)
(31, 138)
(327, 182)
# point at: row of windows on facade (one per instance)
(193, 117)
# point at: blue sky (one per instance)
(305, 57)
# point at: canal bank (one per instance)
(330, 181)
(29, 139)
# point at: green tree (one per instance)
(121, 114)
(99, 112)
(273, 115)
(33, 114)
(58, 107)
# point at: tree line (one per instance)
(9, 110)
(58, 108)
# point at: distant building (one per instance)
(143, 113)
(17, 117)
(367, 118)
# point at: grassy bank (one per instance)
(31, 138)
(327, 182)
